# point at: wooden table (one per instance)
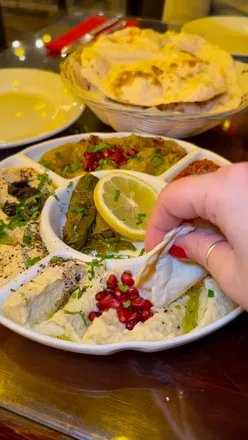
(199, 391)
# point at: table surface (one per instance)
(192, 392)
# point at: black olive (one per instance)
(22, 190)
(9, 209)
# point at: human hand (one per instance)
(221, 198)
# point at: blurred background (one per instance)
(21, 18)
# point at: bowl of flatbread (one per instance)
(172, 84)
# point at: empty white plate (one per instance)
(34, 105)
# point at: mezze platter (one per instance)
(74, 274)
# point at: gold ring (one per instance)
(211, 248)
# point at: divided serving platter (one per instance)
(52, 221)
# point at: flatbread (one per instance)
(153, 83)
(179, 73)
(163, 278)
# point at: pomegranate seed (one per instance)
(118, 293)
(133, 293)
(118, 158)
(128, 272)
(148, 305)
(102, 295)
(138, 303)
(122, 315)
(108, 303)
(112, 282)
(89, 156)
(131, 151)
(99, 156)
(146, 314)
(107, 153)
(90, 166)
(130, 325)
(124, 161)
(126, 279)
(125, 299)
(93, 315)
(135, 316)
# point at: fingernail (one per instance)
(178, 252)
(190, 220)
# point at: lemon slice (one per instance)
(125, 202)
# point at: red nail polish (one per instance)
(178, 252)
(190, 220)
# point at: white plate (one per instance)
(229, 33)
(34, 105)
(51, 226)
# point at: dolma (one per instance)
(104, 239)
(81, 213)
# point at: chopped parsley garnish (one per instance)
(28, 237)
(71, 169)
(123, 288)
(101, 164)
(57, 260)
(139, 218)
(56, 197)
(75, 166)
(31, 262)
(210, 293)
(19, 219)
(117, 195)
(75, 228)
(133, 156)
(98, 147)
(93, 265)
(35, 215)
(110, 256)
(86, 185)
(43, 178)
(2, 226)
(79, 210)
(158, 160)
(139, 158)
(65, 171)
(32, 199)
(80, 293)
(70, 185)
(59, 155)
(127, 304)
(22, 294)
(177, 306)
(142, 252)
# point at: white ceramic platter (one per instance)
(229, 33)
(38, 96)
(52, 220)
